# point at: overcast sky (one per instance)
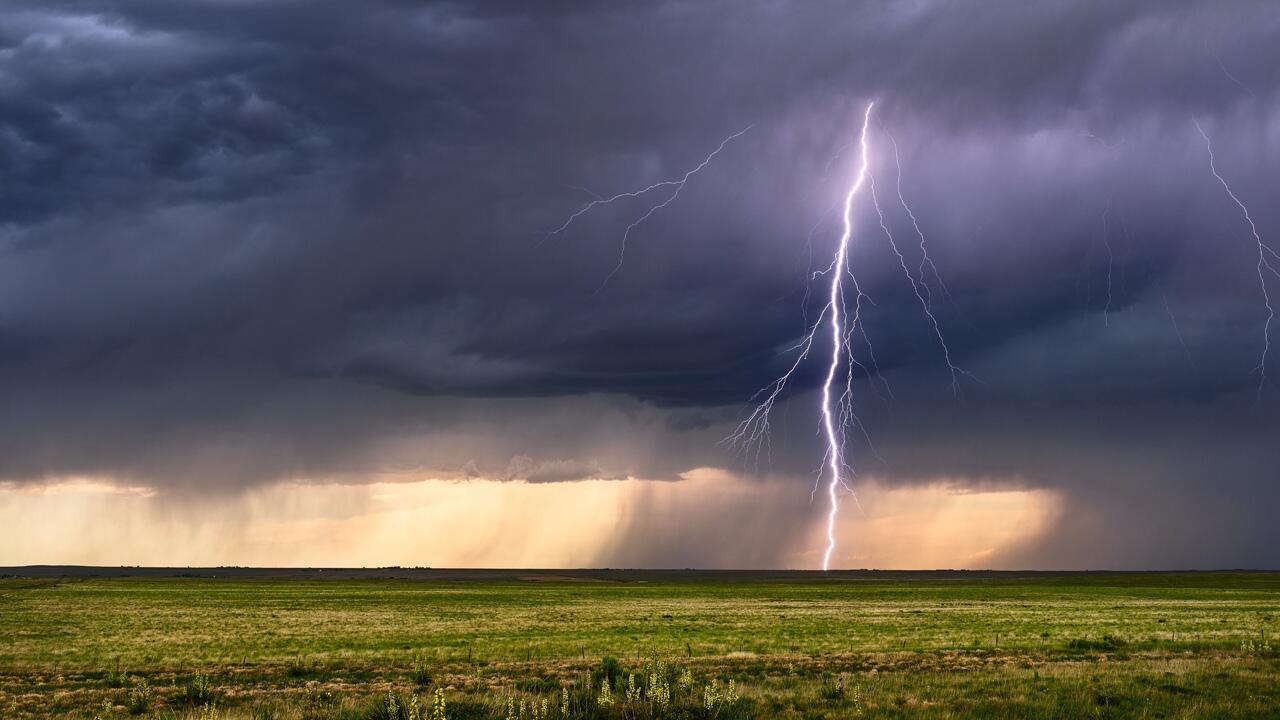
(245, 243)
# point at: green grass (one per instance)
(1104, 645)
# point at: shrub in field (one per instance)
(833, 688)
(386, 707)
(437, 706)
(656, 690)
(686, 680)
(393, 706)
(421, 673)
(711, 697)
(605, 699)
(721, 702)
(855, 696)
(199, 691)
(1261, 647)
(139, 697)
(659, 689)
(533, 709)
(317, 704)
(610, 670)
(838, 689)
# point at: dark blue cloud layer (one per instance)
(244, 241)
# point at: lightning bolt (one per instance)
(925, 260)
(842, 314)
(918, 286)
(1232, 77)
(674, 186)
(835, 446)
(836, 410)
(1266, 256)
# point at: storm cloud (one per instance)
(246, 242)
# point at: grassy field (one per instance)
(493, 645)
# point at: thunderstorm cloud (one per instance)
(244, 243)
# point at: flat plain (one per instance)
(543, 645)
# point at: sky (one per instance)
(277, 285)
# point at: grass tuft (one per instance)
(139, 697)
(198, 691)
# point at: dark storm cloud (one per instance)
(246, 241)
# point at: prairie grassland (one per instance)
(793, 645)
